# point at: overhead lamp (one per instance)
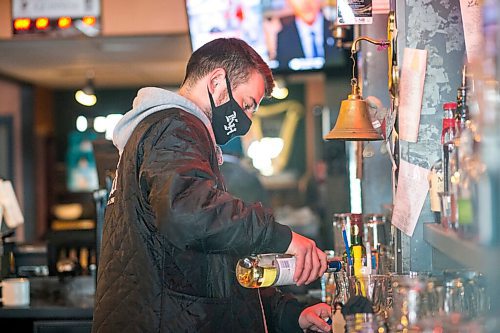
(353, 122)
(86, 95)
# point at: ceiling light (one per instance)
(22, 24)
(89, 20)
(64, 22)
(42, 23)
(86, 95)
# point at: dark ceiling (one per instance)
(114, 61)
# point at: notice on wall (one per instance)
(411, 90)
(10, 209)
(413, 186)
(354, 12)
(473, 24)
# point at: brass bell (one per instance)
(353, 122)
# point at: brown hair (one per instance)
(235, 56)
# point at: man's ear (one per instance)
(216, 80)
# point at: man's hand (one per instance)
(313, 318)
(310, 261)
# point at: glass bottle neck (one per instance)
(356, 240)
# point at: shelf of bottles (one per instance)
(465, 252)
(465, 182)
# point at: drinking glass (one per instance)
(377, 232)
(341, 285)
(374, 287)
(415, 299)
(465, 294)
(365, 323)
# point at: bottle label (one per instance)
(286, 269)
(436, 186)
(465, 212)
(448, 126)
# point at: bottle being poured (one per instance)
(271, 269)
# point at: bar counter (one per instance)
(55, 306)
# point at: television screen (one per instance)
(290, 35)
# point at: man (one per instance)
(172, 234)
(304, 35)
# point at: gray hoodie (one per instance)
(150, 100)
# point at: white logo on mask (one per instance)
(231, 126)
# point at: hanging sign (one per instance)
(55, 8)
(354, 12)
(56, 18)
(411, 92)
(413, 186)
(473, 29)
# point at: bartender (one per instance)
(173, 234)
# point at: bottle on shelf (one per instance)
(464, 177)
(271, 269)
(448, 135)
(436, 186)
(439, 175)
(455, 176)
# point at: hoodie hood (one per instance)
(148, 101)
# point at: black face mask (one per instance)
(228, 120)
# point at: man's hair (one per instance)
(235, 56)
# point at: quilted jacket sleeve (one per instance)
(180, 180)
(282, 311)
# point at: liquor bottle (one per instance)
(448, 135)
(462, 114)
(357, 248)
(271, 269)
(464, 180)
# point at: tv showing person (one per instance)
(304, 41)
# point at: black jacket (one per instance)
(172, 236)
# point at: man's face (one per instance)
(306, 10)
(248, 95)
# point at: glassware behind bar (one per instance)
(377, 232)
(465, 294)
(365, 323)
(341, 292)
(414, 298)
(375, 288)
